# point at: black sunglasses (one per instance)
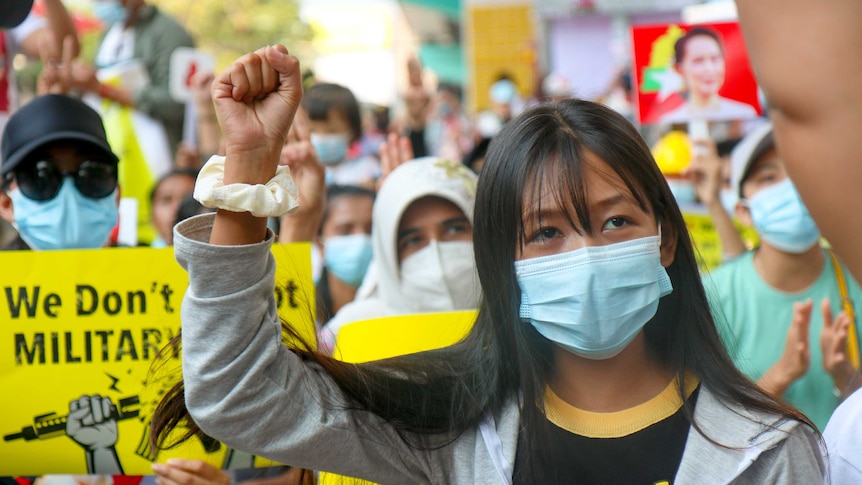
(42, 180)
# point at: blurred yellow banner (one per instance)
(386, 337)
(706, 241)
(500, 40)
(90, 323)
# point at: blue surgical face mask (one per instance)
(683, 191)
(595, 300)
(503, 91)
(729, 198)
(445, 109)
(782, 219)
(331, 149)
(109, 12)
(68, 221)
(348, 257)
(159, 242)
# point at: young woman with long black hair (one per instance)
(594, 357)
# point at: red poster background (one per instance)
(739, 83)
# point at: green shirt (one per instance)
(753, 319)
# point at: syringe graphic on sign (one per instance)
(50, 425)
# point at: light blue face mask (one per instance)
(782, 219)
(729, 198)
(593, 301)
(68, 221)
(348, 257)
(109, 12)
(445, 109)
(158, 242)
(503, 91)
(683, 192)
(331, 149)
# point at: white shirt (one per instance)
(117, 46)
(843, 439)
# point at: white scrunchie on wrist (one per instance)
(276, 198)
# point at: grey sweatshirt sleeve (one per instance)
(243, 387)
(796, 460)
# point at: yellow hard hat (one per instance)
(672, 153)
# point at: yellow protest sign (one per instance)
(500, 39)
(81, 327)
(706, 240)
(386, 337)
(381, 338)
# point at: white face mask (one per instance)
(441, 277)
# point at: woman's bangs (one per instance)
(632, 180)
(556, 178)
(627, 160)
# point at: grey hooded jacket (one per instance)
(243, 387)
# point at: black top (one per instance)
(649, 456)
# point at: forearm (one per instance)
(60, 23)
(209, 136)
(816, 122)
(238, 228)
(50, 37)
(782, 35)
(291, 231)
(103, 461)
(302, 225)
(775, 382)
(115, 94)
(731, 242)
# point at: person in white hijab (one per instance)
(422, 225)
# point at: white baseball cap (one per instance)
(747, 151)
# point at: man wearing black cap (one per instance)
(59, 176)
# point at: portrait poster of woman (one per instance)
(684, 72)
